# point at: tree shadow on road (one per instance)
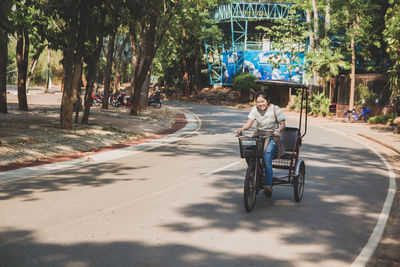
(91, 176)
(20, 248)
(346, 189)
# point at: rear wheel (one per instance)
(250, 187)
(298, 182)
(157, 104)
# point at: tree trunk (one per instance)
(83, 79)
(92, 69)
(78, 59)
(312, 43)
(138, 85)
(144, 59)
(316, 37)
(311, 36)
(113, 6)
(5, 7)
(62, 79)
(69, 96)
(3, 70)
(91, 77)
(22, 53)
(316, 22)
(46, 90)
(197, 74)
(89, 91)
(186, 89)
(327, 16)
(108, 70)
(144, 97)
(34, 62)
(76, 83)
(132, 39)
(152, 31)
(117, 64)
(353, 73)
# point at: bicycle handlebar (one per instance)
(256, 136)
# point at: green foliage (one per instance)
(381, 119)
(29, 17)
(185, 37)
(319, 104)
(392, 37)
(297, 102)
(326, 61)
(243, 81)
(286, 35)
(366, 95)
(11, 62)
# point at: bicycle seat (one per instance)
(288, 139)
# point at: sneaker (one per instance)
(267, 191)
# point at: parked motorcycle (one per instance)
(113, 100)
(155, 100)
(121, 98)
(97, 99)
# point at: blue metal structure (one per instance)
(243, 55)
(257, 10)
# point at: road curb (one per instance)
(378, 142)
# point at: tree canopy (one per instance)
(131, 40)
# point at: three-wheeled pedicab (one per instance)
(252, 148)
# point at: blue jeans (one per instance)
(268, 156)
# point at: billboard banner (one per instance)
(264, 65)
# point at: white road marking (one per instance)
(223, 168)
(374, 239)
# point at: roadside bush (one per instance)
(381, 119)
(319, 104)
(297, 102)
(367, 96)
(243, 81)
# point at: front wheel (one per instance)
(250, 187)
(298, 182)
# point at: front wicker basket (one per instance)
(251, 147)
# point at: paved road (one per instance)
(181, 204)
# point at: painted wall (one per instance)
(264, 65)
